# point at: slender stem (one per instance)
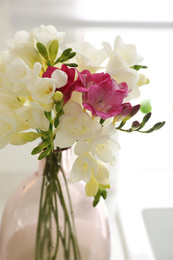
(75, 244)
(39, 222)
(53, 196)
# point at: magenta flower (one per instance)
(101, 94)
(70, 86)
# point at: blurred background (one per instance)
(147, 24)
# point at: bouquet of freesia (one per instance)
(77, 97)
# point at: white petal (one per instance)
(102, 175)
(34, 115)
(37, 68)
(60, 77)
(63, 140)
(72, 108)
(109, 129)
(91, 188)
(81, 148)
(83, 168)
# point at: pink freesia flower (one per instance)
(101, 94)
(68, 88)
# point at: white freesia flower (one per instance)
(16, 72)
(20, 40)
(8, 103)
(4, 80)
(88, 57)
(91, 188)
(3, 56)
(10, 124)
(27, 82)
(45, 34)
(102, 174)
(121, 58)
(104, 146)
(124, 74)
(16, 76)
(127, 51)
(82, 147)
(34, 116)
(31, 76)
(75, 125)
(8, 127)
(83, 168)
(23, 47)
(100, 177)
(42, 90)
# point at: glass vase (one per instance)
(49, 218)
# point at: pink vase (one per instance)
(19, 222)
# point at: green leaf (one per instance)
(48, 115)
(73, 65)
(138, 67)
(40, 147)
(66, 52)
(45, 153)
(104, 193)
(56, 121)
(97, 198)
(71, 55)
(95, 202)
(65, 56)
(102, 121)
(42, 50)
(53, 50)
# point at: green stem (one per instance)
(52, 200)
(75, 244)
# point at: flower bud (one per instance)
(135, 125)
(145, 106)
(57, 96)
(142, 80)
(31, 136)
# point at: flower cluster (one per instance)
(71, 97)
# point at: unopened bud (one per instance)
(31, 136)
(135, 125)
(142, 80)
(57, 96)
(146, 106)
